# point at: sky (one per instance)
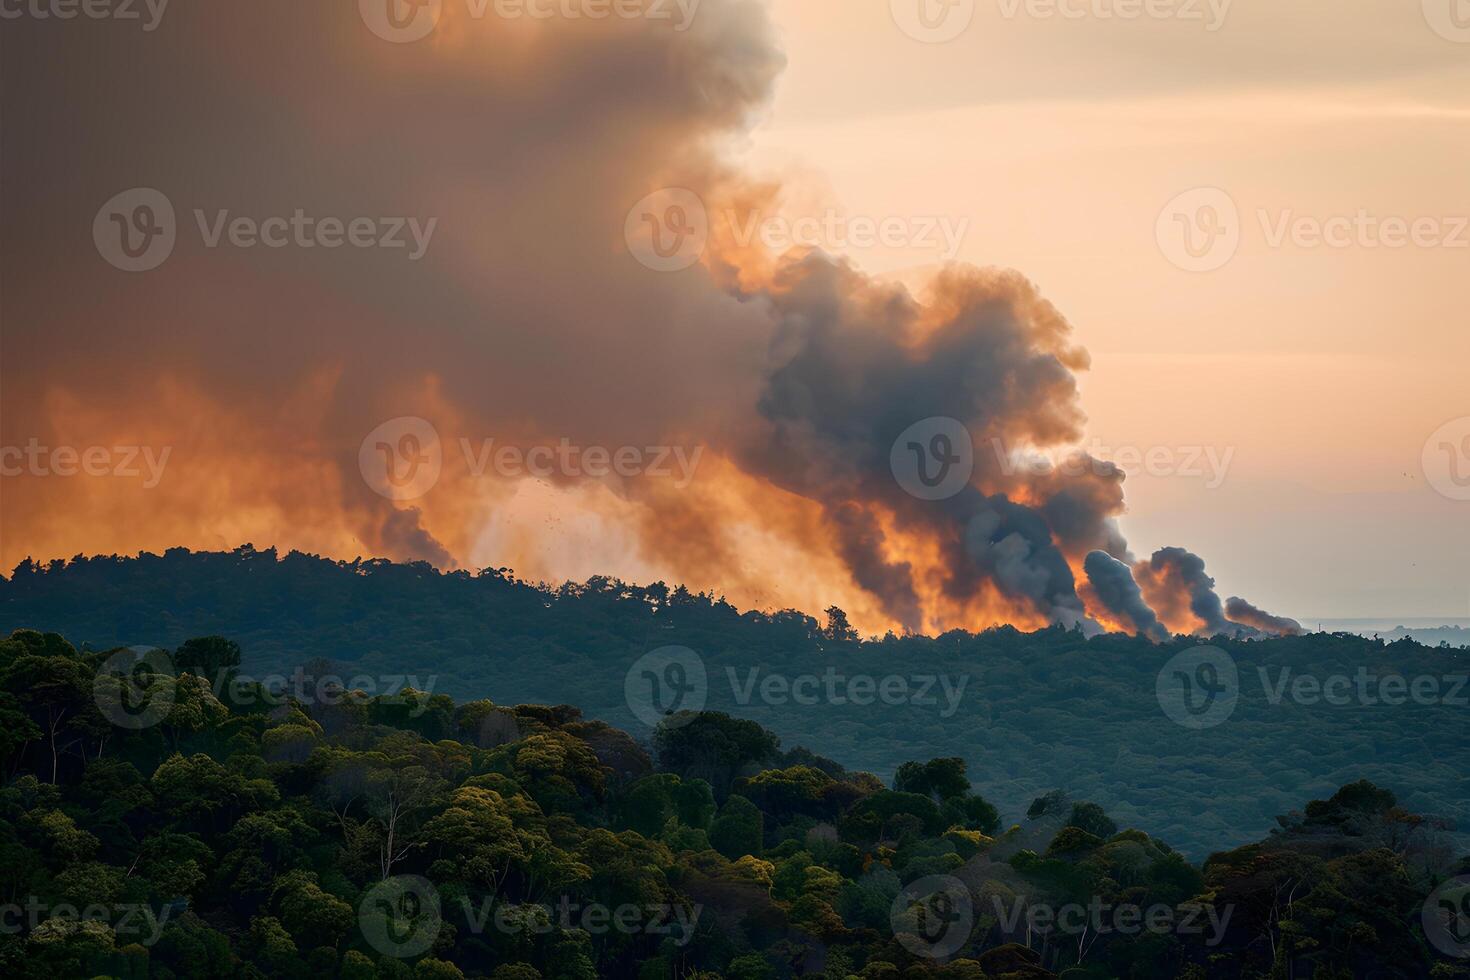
(1218, 249)
(1061, 139)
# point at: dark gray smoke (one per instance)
(857, 362)
(1113, 583)
(1172, 574)
(1241, 611)
(1175, 585)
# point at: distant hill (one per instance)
(1454, 636)
(1028, 712)
(1430, 632)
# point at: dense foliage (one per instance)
(1037, 711)
(149, 827)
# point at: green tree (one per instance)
(738, 829)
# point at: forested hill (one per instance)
(149, 828)
(1029, 713)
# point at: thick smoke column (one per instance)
(859, 362)
(1243, 612)
(1174, 582)
(262, 369)
(1113, 583)
(527, 321)
(1172, 577)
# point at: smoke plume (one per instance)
(1113, 583)
(1243, 612)
(527, 322)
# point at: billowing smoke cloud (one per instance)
(1243, 612)
(1173, 578)
(1114, 585)
(861, 362)
(262, 369)
(1175, 585)
(525, 321)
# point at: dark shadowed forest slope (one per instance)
(1029, 713)
(149, 828)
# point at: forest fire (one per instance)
(262, 371)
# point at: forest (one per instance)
(1028, 712)
(150, 828)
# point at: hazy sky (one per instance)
(1320, 370)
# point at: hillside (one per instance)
(150, 828)
(1028, 713)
